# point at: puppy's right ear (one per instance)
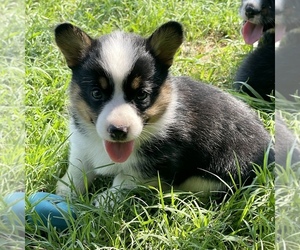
(73, 42)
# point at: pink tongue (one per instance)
(252, 32)
(119, 151)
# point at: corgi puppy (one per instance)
(132, 120)
(288, 53)
(256, 74)
(287, 16)
(258, 16)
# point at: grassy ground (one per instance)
(12, 121)
(12, 97)
(212, 50)
(287, 192)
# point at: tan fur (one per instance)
(136, 83)
(103, 83)
(159, 107)
(79, 106)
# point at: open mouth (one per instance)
(252, 32)
(119, 152)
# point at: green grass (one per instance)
(11, 98)
(170, 221)
(287, 190)
(287, 208)
(12, 121)
(147, 218)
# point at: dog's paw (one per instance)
(64, 190)
(108, 199)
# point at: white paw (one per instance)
(63, 189)
(109, 198)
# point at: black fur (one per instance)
(288, 53)
(213, 134)
(258, 69)
(288, 65)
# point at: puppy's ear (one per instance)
(73, 42)
(165, 41)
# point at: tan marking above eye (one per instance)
(136, 82)
(154, 112)
(103, 82)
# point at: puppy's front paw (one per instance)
(63, 189)
(109, 198)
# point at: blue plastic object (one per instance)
(51, 208)
(15, 208)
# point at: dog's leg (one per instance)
(114, 194)
(78, 176)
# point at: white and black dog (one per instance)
(258, 17)
(130, 119)
(257, 71)
(288, 53)
(287, 16)
(287, 77)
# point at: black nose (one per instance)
(250, 11)
(118, 133)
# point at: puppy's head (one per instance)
(287, 16)
(119, 82)
(258, 16)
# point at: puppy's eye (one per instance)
(141, 95)
(96, 94)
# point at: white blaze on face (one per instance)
(118, 56)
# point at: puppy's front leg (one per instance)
(79, 173)
(108, 198)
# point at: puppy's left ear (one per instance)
(165, 41)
